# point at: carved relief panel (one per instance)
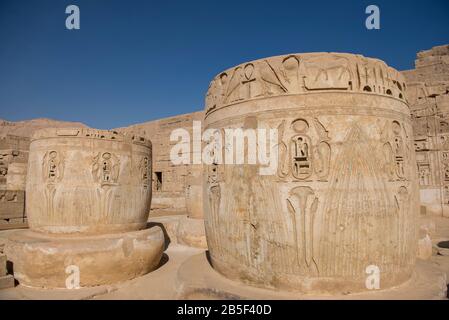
(304, 151)
(106, 168)
(396, 151)
(145, 172)
(52, 167)
(293, 74)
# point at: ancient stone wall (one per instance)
(428, 96)
(13, 170)
(170, 182)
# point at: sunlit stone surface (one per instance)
(88, 198)
(345, 194)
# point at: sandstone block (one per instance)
(46, 261)
(6, 282)
(3, 260)
(425, 248)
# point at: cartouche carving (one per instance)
(296, 74)
(106, 168)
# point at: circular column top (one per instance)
(303, 73)
(87, 133)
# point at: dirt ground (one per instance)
(164, 283)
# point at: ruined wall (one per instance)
(14, 147)
(428, 96)
(13, 170)
(170, 182)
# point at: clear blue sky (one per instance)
(134, 61)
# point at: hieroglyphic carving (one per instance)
(398, 150)
(53, 172)
(145, 172)
(424, 174)
(106, 168)
(214, 190)
(302, 205)
(328, 72)
(290, 73)
(293, 74)
(322, 152)
(308, 153)
(445, 165)
(272, 85)
(8, 196)
(105, 172)
(329, 211)
(395, 151)
(301, 150)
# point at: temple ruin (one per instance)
(88, 199)
(361, 184)
(345, 195)
(428, 95)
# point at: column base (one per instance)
(51, 261)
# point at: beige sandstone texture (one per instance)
(428, 96)
(88, 194)
(197, 280)
(345, 195)
(41, 260)
(13, 170)
(177, 189)
(6, 281)
(26, 128)
(183, 230)
(88, 181)
(170, 181)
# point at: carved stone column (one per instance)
(344, 195)
(88, 199)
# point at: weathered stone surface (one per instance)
(28, 127)
(41, 260)
(88, 194)
(194, 195)
(345, 195)
(170, 181)
(13, 165)
(3, 265)
(6, 282)
(180, 229)
(191, 233)
(88, 181)
(12, 205)
(197, 280)
(425, 248)
(428, 95)
(16, 178)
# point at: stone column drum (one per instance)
(88, 199)
(190, 230)
(342, 203)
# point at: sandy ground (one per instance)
(162, 283)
